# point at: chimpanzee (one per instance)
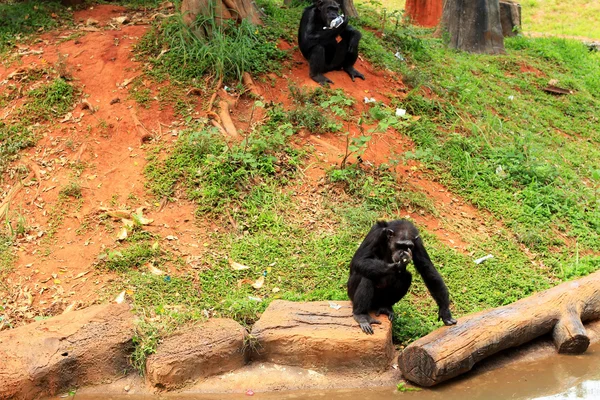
(327, 41)
(378, 275)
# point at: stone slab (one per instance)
(316, 335)
(82, 347)
(199, 351)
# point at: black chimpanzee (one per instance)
(378, 275)
(327, 41)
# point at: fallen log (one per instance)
(454, 350)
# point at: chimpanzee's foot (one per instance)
(321, 79)
(386, 311)
(354, 73)
(446, 317)
(365, 321)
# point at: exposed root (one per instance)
(226, 121)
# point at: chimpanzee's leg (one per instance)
(318, 66)
(386, 298)
(362, 301)
(351, 38)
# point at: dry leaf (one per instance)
(259, 282)
(122, 234)
(276, 289)
(140, 219)
(79, 275)
(119, 214)
(120, 298)
(154, 270)
(237, 266)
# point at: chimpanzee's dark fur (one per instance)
(378, 275)
(328, 49)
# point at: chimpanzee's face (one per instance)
(329, 10)
(400, 247)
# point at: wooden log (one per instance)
(510, 17)
(454, 350)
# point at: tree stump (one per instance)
(510, 17)
(349, 8)
(473, 26)
(218, 10)
(425, 13)
(453, 350)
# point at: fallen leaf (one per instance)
(119, 214)
(259, 282)
(79, 275)
(120, 298)
(140, 219)
(122, 234)
(237, 266)
(154, 270)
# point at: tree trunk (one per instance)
(473, 25)
(219, 10)
(510, 17)
(350, 9)
(425, 13)
(453, 350)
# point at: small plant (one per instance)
(130, 257)
(73, 189)
(401, 387)
(145, 342)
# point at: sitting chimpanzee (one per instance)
(378, 275)
(327, 41)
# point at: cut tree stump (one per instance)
(473, 26)
(454, 350)
(510, 17)
(425, 13)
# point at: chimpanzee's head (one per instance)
(328, 10)
(400, 246)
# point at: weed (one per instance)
(48, 101)
(18, 19)
(145, 342)
(312, 119)
(7, 256)
(227, 52)
(13, 138)
(73, 189)
(133, 256)
(401, 387)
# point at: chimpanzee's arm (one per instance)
(313, 32)
(433, 280)
(372, 268)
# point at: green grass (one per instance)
(42, 104)
(546, 146)
(232, 49)
(558, 17)
(6, 254)
(551, 17)
(20, 19)
(486, 130)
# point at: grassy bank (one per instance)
(487, 130)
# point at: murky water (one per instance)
(555, 378)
